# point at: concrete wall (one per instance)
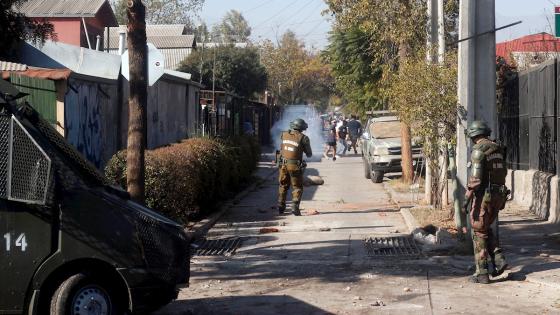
(536, 190)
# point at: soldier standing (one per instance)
(486, 194)
(293, 144)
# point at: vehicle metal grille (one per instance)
(397, 150)
(391, 246)
(29, 167)
(218, 247)
(161, 249)
(4, 153)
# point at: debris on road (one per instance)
(378, 303)
(347, 289)
(313, 181)
(313, 212)
(267, 230)
(325, 229)
(407, 289)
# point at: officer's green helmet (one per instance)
(298, 124)
(478, 128)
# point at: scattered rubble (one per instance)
(313, 181)
(266, 230)
(407, 289)
(378, 303)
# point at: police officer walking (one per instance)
(486, 194)
(293, 144)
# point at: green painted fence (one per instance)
(42, 94)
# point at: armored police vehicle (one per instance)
(69, 242)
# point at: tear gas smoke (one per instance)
(314, 131)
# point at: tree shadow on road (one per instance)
(247, 305)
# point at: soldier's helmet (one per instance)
(478, 128)
(298, 124)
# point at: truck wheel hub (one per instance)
(91, 300)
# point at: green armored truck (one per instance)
(69, 242)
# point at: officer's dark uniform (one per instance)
(294, 144)
(486, 187)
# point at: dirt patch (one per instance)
(398, 185)
(432, 217)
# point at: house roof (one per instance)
(12, 66)
(70, 8)
(155, 30)
(176, 41)
(542, 42)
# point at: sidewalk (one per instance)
(531, 245)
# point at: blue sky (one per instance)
(271, 18)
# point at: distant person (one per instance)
(294, 144)
(342, 133)
(330, 142)
(354, 132)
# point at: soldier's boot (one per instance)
(480, 278)
(281, 208)
(500, 263)
(481, 260)
(295, 209)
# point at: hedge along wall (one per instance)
(189, 179)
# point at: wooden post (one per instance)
(138, 99)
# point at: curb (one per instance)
(202, 227)
(409, 220)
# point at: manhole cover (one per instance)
(218, 247)
(391, 246)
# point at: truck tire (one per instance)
(377, 176)
(367, 171)
(81, 294)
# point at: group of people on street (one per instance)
(345, 132)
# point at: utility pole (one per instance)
(443, 187)
(431, 43)
(477, 80)
(138, 99)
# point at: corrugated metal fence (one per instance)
(528, 116)
(42, 94)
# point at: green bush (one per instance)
(189, 179)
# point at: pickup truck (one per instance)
(69, 242)
(381, 147)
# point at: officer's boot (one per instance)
(481, 260)
(295, 208)
(281, 208)
(499, 261)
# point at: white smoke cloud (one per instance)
(311, 117)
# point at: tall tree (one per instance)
(138, 100)
(16, 27)
(237, 70)
(398, 27)
(162, 11)
(233, 28)
(296, 75)
(356, 69)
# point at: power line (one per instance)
(258, 6)
(275, 15)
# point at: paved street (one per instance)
(317, 264)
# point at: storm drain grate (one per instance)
(218, 247)
(391, 246)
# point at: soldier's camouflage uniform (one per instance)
(294, 144)
(486, 185)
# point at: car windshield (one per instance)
(385, 129)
